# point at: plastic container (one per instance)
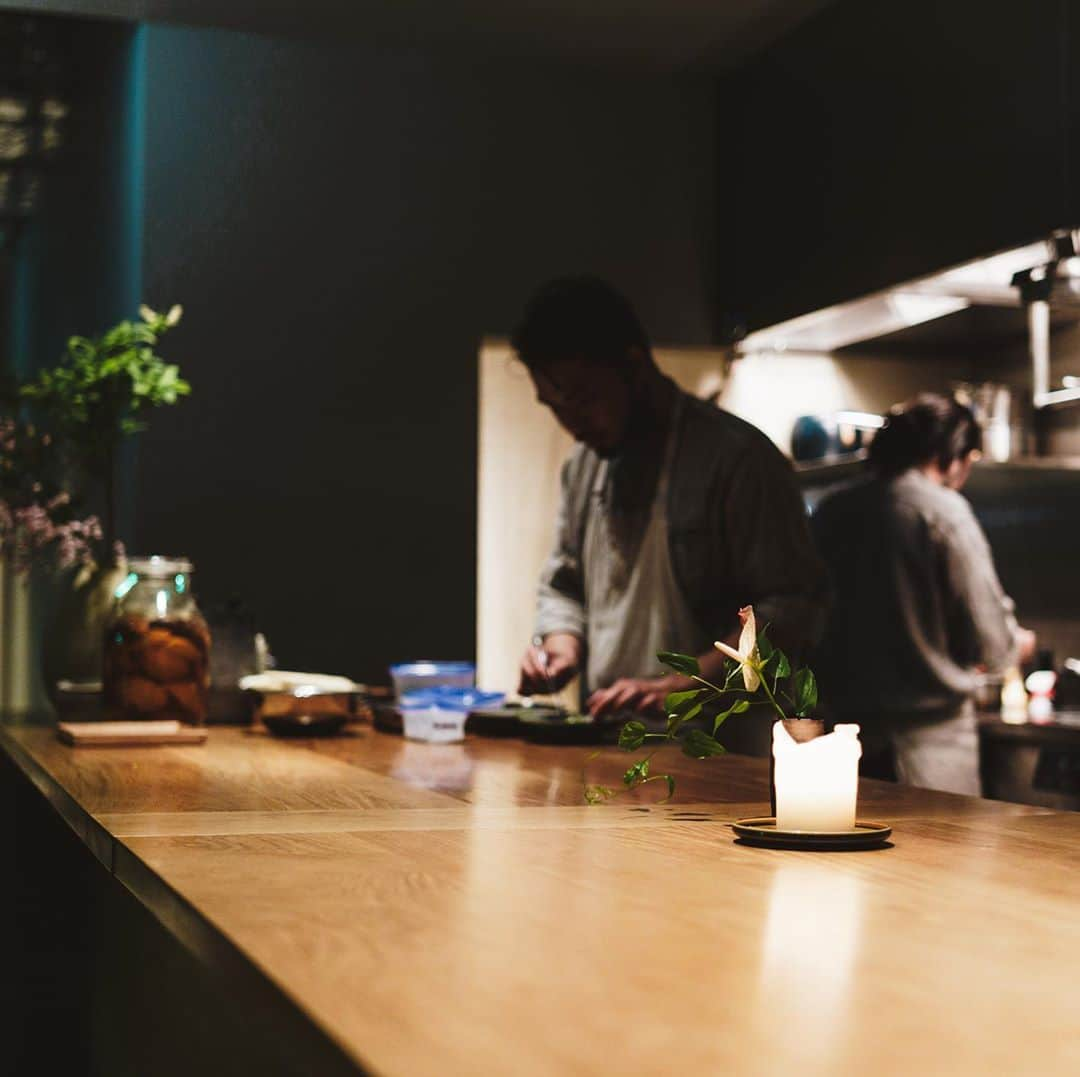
(437, 715)
(410, 676)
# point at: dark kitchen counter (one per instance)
(1061, 729)
(1033, 762)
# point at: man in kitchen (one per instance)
(674, 514)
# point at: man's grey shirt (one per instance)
(737, 532)
(918, 604)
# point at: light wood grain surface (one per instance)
(456, 910)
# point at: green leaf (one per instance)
(735, 708)
(682, 663)
(781, 664)
(677, 721)
(632, 736)
(597, 794)
(677, 702)
(637, 773)
(699, 745)
(670, 786)
(693, 712)
(765, 648)
(806, 692)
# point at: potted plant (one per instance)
(98, 395)
(756, 674)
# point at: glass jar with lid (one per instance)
(157, 646)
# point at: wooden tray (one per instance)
(128, 734)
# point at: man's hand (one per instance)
(645, 695)
(562, 658)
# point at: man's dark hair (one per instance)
(929, 427)
(578, 317)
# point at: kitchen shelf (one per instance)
(1029, 463)
(813, 472)
(830, 469)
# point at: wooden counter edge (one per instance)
(92, 834)
(274, 1012)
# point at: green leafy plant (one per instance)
(100, 392)
(756, 674)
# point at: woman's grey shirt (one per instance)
(917, 600)
(738, 533)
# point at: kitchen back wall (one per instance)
(343, 226)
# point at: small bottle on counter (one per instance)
(1040, 686)
(1014, 698)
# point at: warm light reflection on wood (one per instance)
(501, 926)
(810, 946)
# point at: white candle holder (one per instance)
(817, 783)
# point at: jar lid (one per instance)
(430, 668)
(158, 566)
(447, 697)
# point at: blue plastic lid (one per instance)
(424, 668)
(449, 698)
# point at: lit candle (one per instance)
(817, 781)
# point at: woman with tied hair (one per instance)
(918, 608)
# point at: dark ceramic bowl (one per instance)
(304, 725)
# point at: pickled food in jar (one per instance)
(157, 668)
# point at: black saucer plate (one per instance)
(762, 831)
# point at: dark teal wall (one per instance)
(78, 258)
(76, 266)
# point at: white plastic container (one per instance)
(437, 715)
(436, 725)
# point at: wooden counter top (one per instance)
(456, 909)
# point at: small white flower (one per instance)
(148, 314)
(174, 314)
(747, 655)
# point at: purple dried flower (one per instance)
(36, 518)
